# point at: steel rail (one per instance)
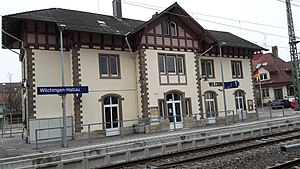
(180, 153)
(287, 164)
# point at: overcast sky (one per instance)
(210, 14)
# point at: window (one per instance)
(180, 64)
(161, 60)
(236, 68)
(188, 107)
(169, 28)
(161, 108)
(210, 104)
(166, 28)
(263, 76)
(173, 29)
(265, 93)
(207, 68)
(109, 66)
(171, 64)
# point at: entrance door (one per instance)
(240, 102)
(278, 94)
(210, 106)
(174, 110)
(111, 116)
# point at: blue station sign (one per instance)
(231, 84)
(62, 90)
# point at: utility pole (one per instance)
(293, 51)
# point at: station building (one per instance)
(166, 66)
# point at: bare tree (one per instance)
(13, 99)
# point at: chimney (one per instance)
(117, 8)
(275, 51)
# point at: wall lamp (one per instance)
(203, 77)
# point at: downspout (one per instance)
(22, 51)
(22, 43)
(135, 69)
(207, 50)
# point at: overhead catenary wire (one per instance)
(228, 25)
(153, 7)
(291, 3)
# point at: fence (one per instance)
(146, 125)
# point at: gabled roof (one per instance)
(79, 21)
(233, 40)
(90, 22)
(279, 69)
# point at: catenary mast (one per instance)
(293, 50)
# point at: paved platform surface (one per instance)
(16, 146)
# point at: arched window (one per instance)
(169, 28)
(173, 29)
(166, 28)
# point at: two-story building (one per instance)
(275, 80)
(169, 63)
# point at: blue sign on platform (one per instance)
(231, 84)
(62, 90)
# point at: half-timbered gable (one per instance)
(173, 29)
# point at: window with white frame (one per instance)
(207, 68)
(173, 29)
(171, 64)
(180, 61)
(162, 62)
(263, 76)
(161, 108)
(236, 69)
(166, 27)
(169, 28)
(265, 92)
(109, 66)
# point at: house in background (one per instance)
(275, 77)
(168, 68)
(11, 101)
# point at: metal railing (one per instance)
(146, 125)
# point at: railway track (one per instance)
(287, 164)
(219, 150)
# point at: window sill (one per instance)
(110, 77)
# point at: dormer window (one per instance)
(263, 76)
(169, 28)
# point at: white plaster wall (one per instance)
(156, 91)
(48, 73)
(125, 86)
(245, 82)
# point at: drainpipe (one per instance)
(135, 68)
(22, 49)
(207, 50)
(22, 43)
